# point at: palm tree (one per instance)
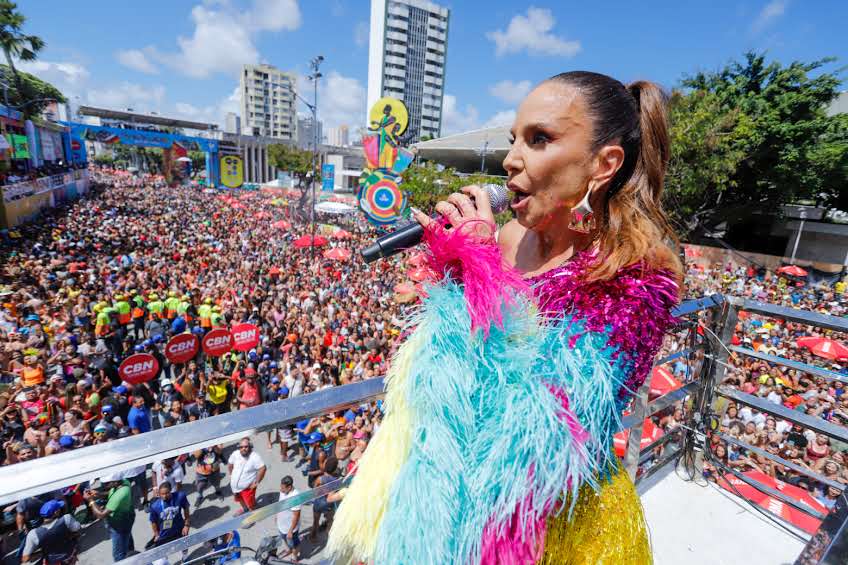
(15, 43)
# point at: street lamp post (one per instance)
(314, 64)
(483, 151)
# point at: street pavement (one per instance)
(96, 547)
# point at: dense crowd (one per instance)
(810, 394)
(124, 270)
(136, 262)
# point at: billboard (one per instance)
(328, 173)
(232, 171)
(140, 138)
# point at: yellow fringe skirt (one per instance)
(606, 528)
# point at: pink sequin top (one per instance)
(633, 308)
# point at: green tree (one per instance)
(289, 158)
(426, 183)
(34, 97)
(198, 161)
(707, 146)
(104, 159)
(15, 43)
(777, 124)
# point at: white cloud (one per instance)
(360, 34)
(456, 119)
(502, 118)
(532, 32)
(214, 113)
(128, 95)
(274, 15)
(62, 75)
(509, 91)
(341, 100)
(224, 39)
(768, 14)
(136, 60)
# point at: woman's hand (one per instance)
(474, 217)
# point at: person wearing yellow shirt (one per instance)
(216, 318)
(183, 308)
(204, 312)
(124, 310)
(155, 306)
(171, 304)
(103, 321)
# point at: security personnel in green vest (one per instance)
(204, 312)
(183, 308)
(101, 323)
(216, 317)
(171, 304)
(155, 305)
(124, 310)
(138, 313)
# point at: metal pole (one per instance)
(483, 160)
(315, 63)
(797, 239)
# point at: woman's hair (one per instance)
(633, 225)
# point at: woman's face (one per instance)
(550, 162)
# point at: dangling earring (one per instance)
(583, 217)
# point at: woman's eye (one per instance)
(511, 140)
(539, 138)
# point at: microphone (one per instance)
(410, 235)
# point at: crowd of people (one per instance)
(131, 265)
(811, 394)
(122, 271)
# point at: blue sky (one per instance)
(182, 57)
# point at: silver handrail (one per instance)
(35, 477)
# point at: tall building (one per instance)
(268, 102)
(340, 136)
(406, 60)
(306, 133)
(232, 123)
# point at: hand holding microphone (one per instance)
(477, 204)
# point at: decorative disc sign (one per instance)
(380, 198)
(139, 368)
(245, 337)
(182, 348)
(217, 342)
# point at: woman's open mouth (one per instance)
(519, 199)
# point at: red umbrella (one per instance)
(777, 507)
(281, 225)
(824, 347)
(792, 271)
(337, 254)
(306, 241)
(650, 434)
(663, 382)
(340, 234)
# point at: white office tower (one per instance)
(233, 123)
(406, 60)
(339, 137)
(268, 102)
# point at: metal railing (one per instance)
(714, 316)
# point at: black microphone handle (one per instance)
(390, 244)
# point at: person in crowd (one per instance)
(208, 472)
(169, 515)
(56, 538)
(118, 513)
(288, 521)
(246, 470)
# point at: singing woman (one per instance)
(503, 402)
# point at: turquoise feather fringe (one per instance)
(488, 433)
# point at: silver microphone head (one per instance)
(498, 196)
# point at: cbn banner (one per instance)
(141, 138)
(232, 171)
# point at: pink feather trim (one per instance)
(477, 263)
(520, 542)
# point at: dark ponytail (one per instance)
(633, 224)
